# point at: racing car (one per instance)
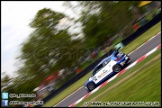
(107, 68)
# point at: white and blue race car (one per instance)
(107, 68)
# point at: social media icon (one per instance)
(4, 102)
(4, 95)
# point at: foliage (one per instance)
(102, 20)
(48, 49)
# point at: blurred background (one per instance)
(60, 46)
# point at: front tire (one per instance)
(117, 68)
(91, 86)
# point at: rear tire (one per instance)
(91, 86)
(117, 68)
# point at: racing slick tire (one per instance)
(91, 86)
(117, 68)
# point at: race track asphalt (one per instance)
(134, 56)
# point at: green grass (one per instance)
(148, 34)
(143, 86)
(141, 39)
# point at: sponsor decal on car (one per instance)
(122, 63)
(102, 74)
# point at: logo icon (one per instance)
(4, 102)
(4, 95)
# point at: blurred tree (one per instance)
(48, 49)
(103, 19)
(5, 80)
